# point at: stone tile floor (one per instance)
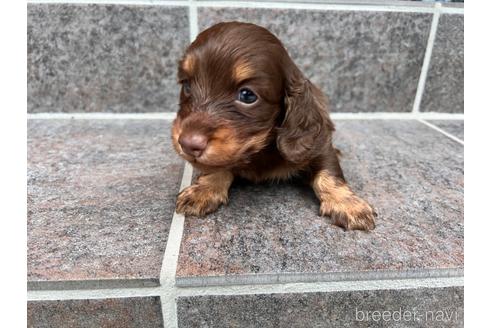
(302, 310)
(101, 199)
(272, 232)
(457, 129)
(117, 312)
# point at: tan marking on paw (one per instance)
(354, 214)
(206, 195)
(345, 208)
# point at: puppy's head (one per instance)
(241, 92)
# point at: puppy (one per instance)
(247, 111)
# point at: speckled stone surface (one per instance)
(364, 61)
(101, 197)
(103, 313)
(412, 174)
(428, 307)
(104, 58)
(456, 128)
(445, 80)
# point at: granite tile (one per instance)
(427, 307)
(102, 313)
(412, 174)
(364, 61)
(455, 128)
(444, 87)
(101, 196)
(104, 58)
(336, 309)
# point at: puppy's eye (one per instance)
(246, 96)
(186, 87)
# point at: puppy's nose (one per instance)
(193, 144)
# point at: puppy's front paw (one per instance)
(199, 200)
(353, 214)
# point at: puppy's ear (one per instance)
(306, 128)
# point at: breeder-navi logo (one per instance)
(406, 315)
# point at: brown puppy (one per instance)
(246, 110)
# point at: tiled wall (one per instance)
(104, 58)
(366, 58)
(444, 87)
(364, 61)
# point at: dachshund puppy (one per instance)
(247, 111)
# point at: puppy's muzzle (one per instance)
(193, 144)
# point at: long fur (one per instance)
(287, 131)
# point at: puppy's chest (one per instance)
(267, 166)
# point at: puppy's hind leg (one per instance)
(338, 201)
(206, 194)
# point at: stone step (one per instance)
(117, 312)
(101, 199)
(422, 307)
(272, 232)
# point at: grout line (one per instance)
(315, 6)
(170, 260)
(172, 115)
(451, 10)
(432, 126)
(336, 286)
(171, 3)
(267, 5)
(307, 287)
(102, 116)
(397, 116)
(193, 20)
(427, 59)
